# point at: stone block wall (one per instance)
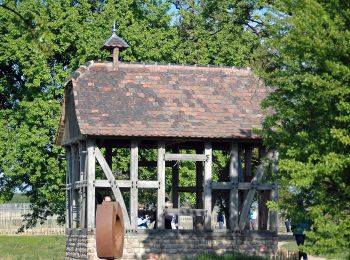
(175, 244)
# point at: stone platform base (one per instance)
(175, 244)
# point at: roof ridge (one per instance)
(173, 64)
(82, 69)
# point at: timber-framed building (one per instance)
(171, 109)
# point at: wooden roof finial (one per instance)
(115, 44)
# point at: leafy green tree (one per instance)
(216, 32)
(42, 42)
(308, 65)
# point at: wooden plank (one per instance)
(134, 158)
(75, 193)
(233, 175)
(109, 157)
(249, 198)
(273, 213)
(118, 183)
(199, 182)
(263, 210)
(82, 178)
(207, 185)
(248, 163)
(79, 184)
(116, 191)
(222, 185)
(68, 182)
(185, 157)
(241, 186)
(91, 189)
(147, 184)
(185, 212)
(175, 182)
(161, 189)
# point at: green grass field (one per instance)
(32, 247)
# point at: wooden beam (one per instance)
(199, 182)
(117, 183)
(274, 193)
(116, 191)
(175, 182)
(241, 186)
(82, 178)
(263, 210)
(233, 175)
(249, 198)
(68, 191)
(109, 157)
(273, 213)
(75, 193)
(134, 158)
(185, 212)
(185, 157)
(148, 184)
(91, 189)
(248, 163)
(207, 185)
(222, 185)
(161, 189)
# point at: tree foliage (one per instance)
(42, 42)
(308, 65)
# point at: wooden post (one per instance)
(274, 214)
(161, 188)
(274, 195)
(75, 193)
(263, 210)
(234, 203)
(113, 184)
(207, 185)
(244, 217)
(82, 177)
(68, 190)
(109, 157)
(90, 185)
(115, 57)
(247, 175)
(134, 159)
(248, 163)
(199, 182)
(175, 182)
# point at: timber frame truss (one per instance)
(81, 185)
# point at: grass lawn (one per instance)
(32, 247)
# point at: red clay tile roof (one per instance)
(167, 101)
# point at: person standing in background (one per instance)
(221, 220)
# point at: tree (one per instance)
(42, 42)
(308, 67)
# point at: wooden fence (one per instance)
(11, 218)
